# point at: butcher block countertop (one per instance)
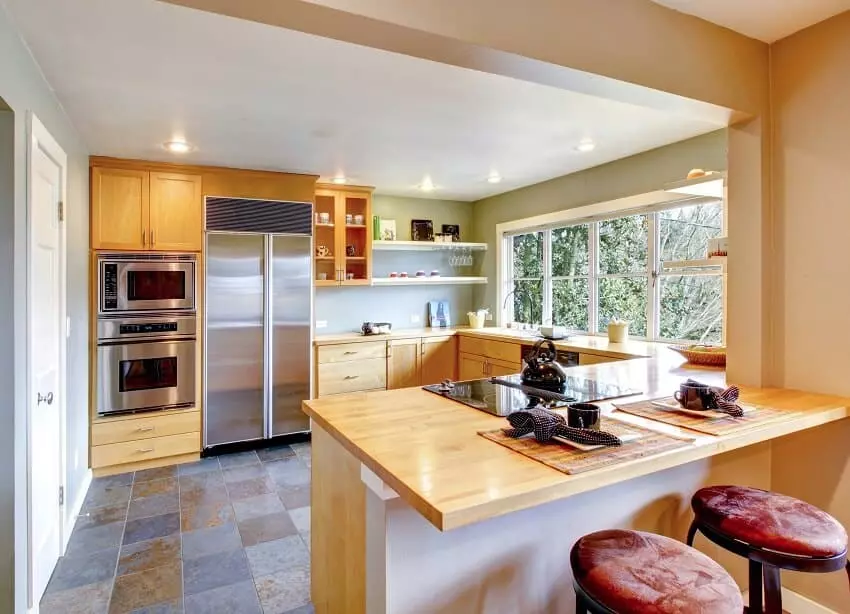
(427, 449)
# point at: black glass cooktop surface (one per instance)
(504, 395)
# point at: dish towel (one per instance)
(726, 399)
(546, 424)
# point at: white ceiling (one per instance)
(766, 20)
(135, 73)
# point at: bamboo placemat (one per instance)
(572, 460)
(754, 416)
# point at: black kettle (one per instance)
(542, 369)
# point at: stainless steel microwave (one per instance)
(138, 283)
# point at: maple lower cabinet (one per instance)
(139, 210)
(439, 359)
(351, 367)
(404, 363)
(119, 208)
(471, 366)
(176, 212)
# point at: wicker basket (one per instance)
(697, 355)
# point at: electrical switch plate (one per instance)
(321, 323)
(415, 319)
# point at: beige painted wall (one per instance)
(811, 290)
(645, 172)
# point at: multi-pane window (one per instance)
(649, 269)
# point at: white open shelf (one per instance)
(425, 246)
(426, 281)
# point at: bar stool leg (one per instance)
(755, 587)
(581, 607)
(693, 531)
(772, 590)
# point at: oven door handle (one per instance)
(135, 340)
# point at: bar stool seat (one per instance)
(631, 571)
(770, 520)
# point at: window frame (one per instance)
(652, 205)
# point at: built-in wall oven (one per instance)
(145, 363)
(140, 283)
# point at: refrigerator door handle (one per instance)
(268, 322)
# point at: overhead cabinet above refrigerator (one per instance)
(259, 305)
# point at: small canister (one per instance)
(618, 331)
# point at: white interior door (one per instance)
(46, 357)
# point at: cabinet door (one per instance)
(439, 359)
(176, 212)
(403, 363)
(498, 369)
(470, 367)
(119, 209)
(356, 246)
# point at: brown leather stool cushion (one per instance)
(631, 571)
(769, 520)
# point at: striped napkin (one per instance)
(726, 400)
(547, 424)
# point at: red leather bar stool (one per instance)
(774, 532)
(624, 572)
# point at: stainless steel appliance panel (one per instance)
(145, 327)
(290, 281)
(133, 283)
(145, 375)
(235, 335)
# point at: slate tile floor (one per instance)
(225, 535)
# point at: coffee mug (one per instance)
(323, 276)
(350, 250)
(324, 218)
(358, 219)
(349, 275)
(349, 218)
(584, 416)
(697, 397)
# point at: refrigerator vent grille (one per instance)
(266, 216)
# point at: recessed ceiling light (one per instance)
(494, 177)
(177, 147)
(586, 145)
(339, 180)
(427, 184)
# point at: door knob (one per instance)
(46, 398)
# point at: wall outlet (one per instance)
(488, 317)
(415, 319)
(321, 324)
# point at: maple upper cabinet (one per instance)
(137, 210)
(176, 212)
(119, 208)
(439, 359)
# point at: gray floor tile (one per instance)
(202, 466)
(150, 488)
(169, 607)
(245, 472)
(301, 519)
(146, 588)
(266, 528)
(153, 506)
(261, 505)
(99, 496)
(97, 516)
(203, 497)
(88, 541)
(211, 480)
(238, 459)
(196, 517)
(156, 474)
(278, 555)
(121, 479)
(144, 529)
(250, 488)
(214, 571)
(74, 571)
(304, 609)
(285, 590)
(307, 537)
(88, 599)
(288, 472)
(238, 598)
(149, 554)
(202, 542)
(275, 453)
(294, 497)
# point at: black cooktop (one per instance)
(501, 396)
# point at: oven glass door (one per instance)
(146, 286)
(147, 375)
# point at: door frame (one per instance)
(38, 138)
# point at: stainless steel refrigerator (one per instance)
(259, 310)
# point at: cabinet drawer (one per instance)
(357, 376)
(346, 352)
(145, 449)
(155, 425)
(497, 350)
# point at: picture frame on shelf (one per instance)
(439, 314)
(422, 230)
(388, 230)
(453, 230)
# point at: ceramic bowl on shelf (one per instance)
(420, 273)
(393, 275)
(403, 274)
(435, 273)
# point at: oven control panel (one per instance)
(110, 287)
(147, 328)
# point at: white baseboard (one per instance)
(76, 508)
(794, 603)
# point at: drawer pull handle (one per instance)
(145, 450)
(146, 429)
(348, 353)
(351, 376)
